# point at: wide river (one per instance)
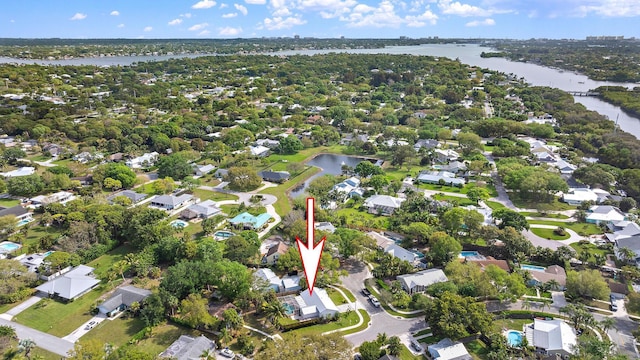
(468, 54)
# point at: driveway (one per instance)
(538, 241)
(381, 321)
(42, 340)
(82, 330)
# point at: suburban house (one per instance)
(598, 214)
(632, 243)
(446, 349)
(382, 241)
(544, 275)
(130, 194)
(564, 167)
(554, 337)
(70, 285)
(250, 222)
(622, 229)
(189, 348)
(388, 357)
(285, 284)
(419, 281)
(436, 177)
(454, 167)
(275, 176)
(316, 305)
(61, 197)
(23, 171)
(201, 170)
(426, 144)
(221, 173)
(122, 299)
(85, 157)
(349, 138)
(146, 160)
(171, 202)
(271, 144)
(577, 196)
(483, 263)
(22, 215)
(33, 261)
(349, 187)
(383, 204)
(445, 156)
(259, 151)
(274, 252)
(325, 226)
(201, 210)
(401, 253)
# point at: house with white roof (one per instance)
(144, 161)
(446, 349)
(349, 188)
(259, 151)
(419, 281)
(383, 204)
(70, 285)
(564, 167)
(33, 261)
(171, 202)
(445, 156)
(271, 144)
(201, 210)
(632, 243)
(202, 170)
(577, 196)
(316, 305)
(278, 284)
(189, 348)
(598, 214)
(622, 229)
(61, 197)
(23, 171)
(401, 253)
(435, 177)
(554, 337)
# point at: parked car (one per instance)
(613, 307)
(90, 325)
(226, 352)
(366, 292)
(374, 301)
(416, 345)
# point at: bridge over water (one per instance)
(584, 93)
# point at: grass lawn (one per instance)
(283, 205)
(405, 354)
(591, 249)
(229, 208)
(60, 319)
(348, 293)
(455, 200)
(537, 214)
(305, 154)
(365, 323)
(583, 229)
(336, 297)
(212, 195)
(477, 349)
(597, 304)
(494, 205)
(549, 234)
(363, 218)
(346, 319)
(431, 339)
(35, 233)
(104, 263)
(7, 203)
(423, 332)
(511, 324)
(556, 205)
(162, 336)
(7, 353)
(116, 332)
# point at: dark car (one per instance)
(366, 292)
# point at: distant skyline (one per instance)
(517, 19)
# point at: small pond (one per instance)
(330, 164)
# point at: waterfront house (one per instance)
(382, 204)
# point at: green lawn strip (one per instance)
(60, 319)
(423, 332)
(229, 208)
(544, 215)
(212, 195)
(345, 320)
(357, 217)
(7, 353)
(305, 154)
(512, 324)
(553, 206)
(494, 205)
(454, 199)
(549, 234)
(104, 263)
(161, 337)
(384, 297)
(431, 339)
(583, 229)
(597, 304)
(365, 323)
(591, 249)
(348, 293)
(7, 203)
(283, 205)
(116, 332)
(405, 354)
(477, 349)
(336, 297)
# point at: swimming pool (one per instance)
(221, 235)
(47, 253)
(514, 338)
(288, 309)
(24, 222)
(533, 267)
(469, 253)
(8, 246)
(180, 224)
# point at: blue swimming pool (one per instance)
(469, 253)
(514, 338)
(288, 309)
(24, 222)
(532, 267)
(8, 246)
(179, 224)
(223, 234)
(47, 253)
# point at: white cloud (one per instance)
(457, 8)
(223, 6)
(241, 8)
(204, 4)
(485, 22)
(422, 20)
(279, 23)
(12, 21)
(385, 16)
(175, 22)
(230, 31)
(147, 29)
(120, 26)
(256, 2)
(78, 16)
(198, 27)
(609, 8)
(230, 15)
(204, 32)
(327, 8)
(186, 15)
(115, 13)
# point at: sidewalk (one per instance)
(21, 307)
(355, 308)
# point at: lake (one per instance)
(331, 164)
(467, 53)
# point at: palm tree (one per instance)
(599, 259)
(626, 254)
(553, 284)
(584, 256)
(225, 336)
(607, 323)
(526, 305)
(395, 346)
(26, 345)
(274, 311)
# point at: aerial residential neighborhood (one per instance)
(151, 206)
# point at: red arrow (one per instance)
(310, 253)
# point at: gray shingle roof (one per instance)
(125, 295)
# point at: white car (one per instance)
(375, 302)
(227, 353)
(416, 345)
(90, 325)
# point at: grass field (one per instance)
(362, 218)
(477, 349)
(511, 324)
(556, 205)
(348, 293)
(162, 336)
(494, 205)
(346, 319)
(60, 319)
(212, 195)
(283, 205)
(116, 332)
(591, 249)
(34, 234)
(365, 323)
(455, 199)
(549, 234)
(583, 229)
(336, 297)
(537, 214)
(37, 353)
(103, 264)
(7, 203)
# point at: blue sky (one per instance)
(520, 19)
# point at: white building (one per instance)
(316, 305)
(418, 282)
(577, 196)
(61, 197)
(555, 337)
(23, 171)
(146, 160)
(446, 349)
(598, 214)
(383, 204)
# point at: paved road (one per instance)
(538, 241)
(42, 340)
(381, 321)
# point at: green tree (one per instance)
(241, 250)
(243, 179)
(587, 284)
(312, 346)
(370, 350)
(444, 248)
(394, 346)
(367, 168)
(25, 185)
(175, 166)
(508, 217)
(116, 171)
(195, 311)
(290, 145)
(153, 311)
(378, 182)
(401, 154)
(232, 319)
(476, 194)
(469, 142)
(237, 138)
(455, 316)
(12, 154)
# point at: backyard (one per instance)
(116, 332)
